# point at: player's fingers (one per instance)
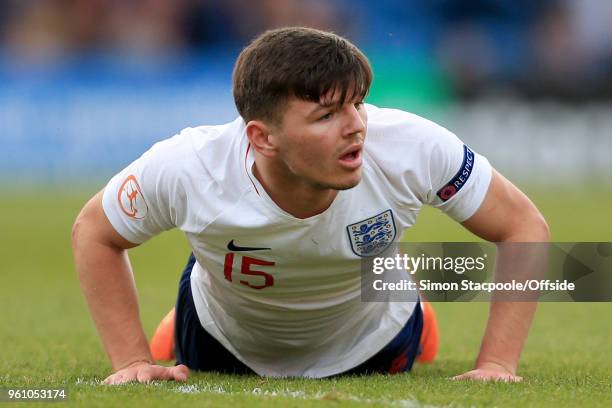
(478, 376)
(180, 372)
(118, 378)
(177, 373)
(153, 372)
(465, 376)
(146, 374)
(500, 377)
(112, 379)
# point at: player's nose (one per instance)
(355, 120)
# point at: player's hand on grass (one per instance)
(489, 372)
(144, 372)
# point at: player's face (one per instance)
(321, 144)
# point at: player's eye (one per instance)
(326, 116)
(358, 105)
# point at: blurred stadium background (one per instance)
(88, 85)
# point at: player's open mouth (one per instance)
(352, 158)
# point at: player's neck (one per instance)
(291, 195)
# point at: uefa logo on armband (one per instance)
(131, 200)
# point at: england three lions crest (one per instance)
(373, 235)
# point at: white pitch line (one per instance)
(287, 393)
(299, 394)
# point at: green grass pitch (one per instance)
(47, 338)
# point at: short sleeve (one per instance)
(424, 163)
(459, 177)
(140, 201)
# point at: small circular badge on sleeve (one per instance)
(447, 192)
(131, 199)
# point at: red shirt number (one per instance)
(245, 269)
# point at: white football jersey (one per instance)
(282, 293)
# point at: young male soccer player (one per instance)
(279, 207)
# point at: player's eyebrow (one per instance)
(323, 106)
(334, 101)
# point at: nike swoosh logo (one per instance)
(232, 247)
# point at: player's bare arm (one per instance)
(107, 282)
(506, 215)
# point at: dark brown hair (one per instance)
(300, 62)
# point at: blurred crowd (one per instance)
(551, 48)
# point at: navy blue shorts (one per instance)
(200, 351)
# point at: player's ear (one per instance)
(261, 138)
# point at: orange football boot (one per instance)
(430, 337)
(162, 342)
